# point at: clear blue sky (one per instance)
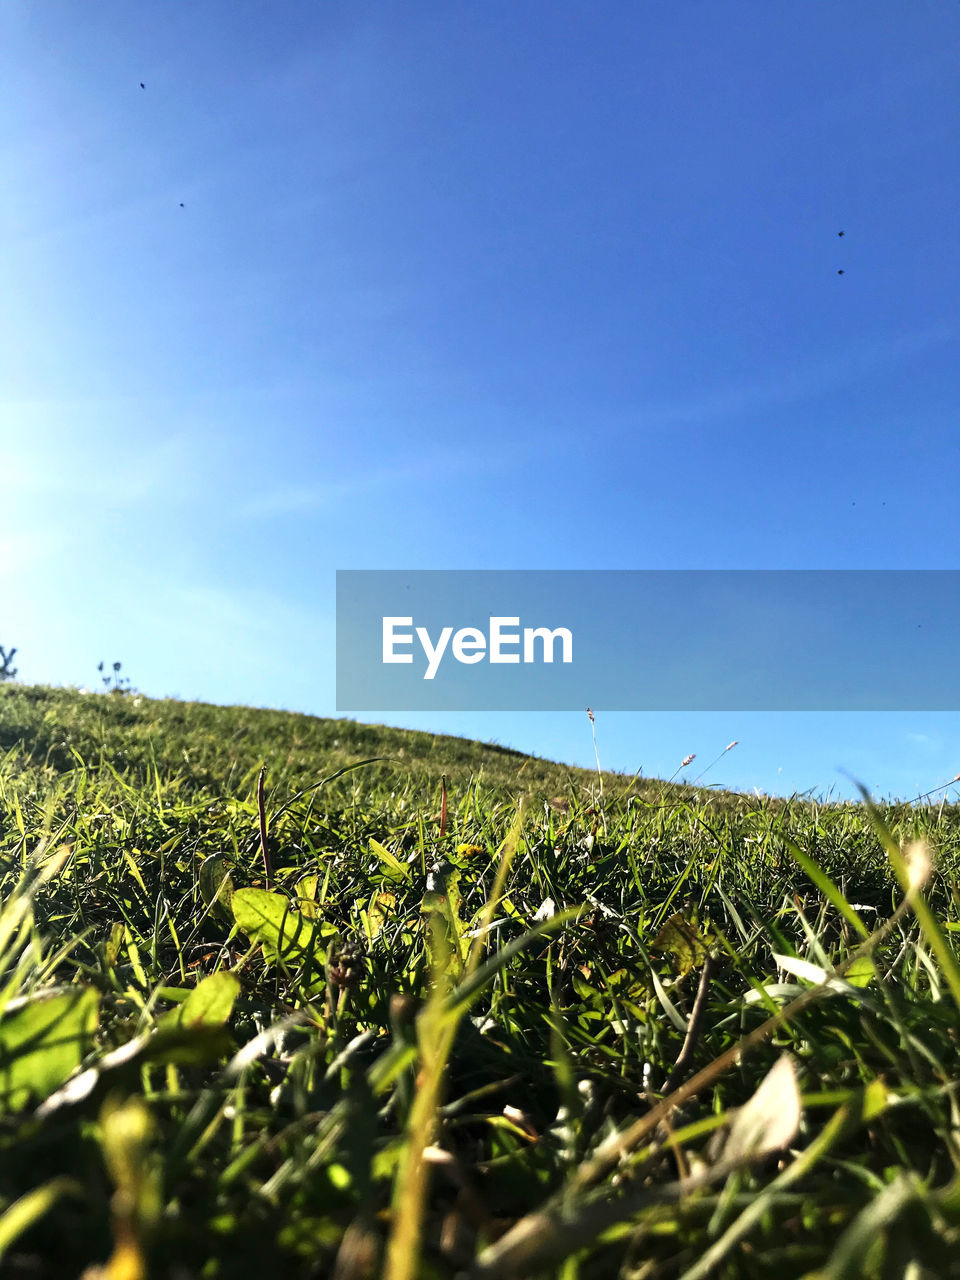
(471, 286)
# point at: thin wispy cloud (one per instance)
(294, 499)
(802, 382)
(113, 473)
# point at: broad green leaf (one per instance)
(876, 1098)
(216, 883)
(446, 905)
(43, 1040)
(209, 1004)
(112, 948)
(861, 973)
(306, 892)
(682, 938)
(196, 1045)
(381, 907)
(391, 863)
(186, 1046)
(268, 918)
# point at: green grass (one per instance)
(529, 1044)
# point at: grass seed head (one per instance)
(919, 864)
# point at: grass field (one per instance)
(473, 1016)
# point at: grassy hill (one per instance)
(220, 747)
(536, 1028)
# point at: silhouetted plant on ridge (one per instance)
(6, 671)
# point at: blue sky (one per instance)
(471, 286)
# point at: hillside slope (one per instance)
(222, 747)
(415, 1032)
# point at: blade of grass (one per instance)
(912, 883)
